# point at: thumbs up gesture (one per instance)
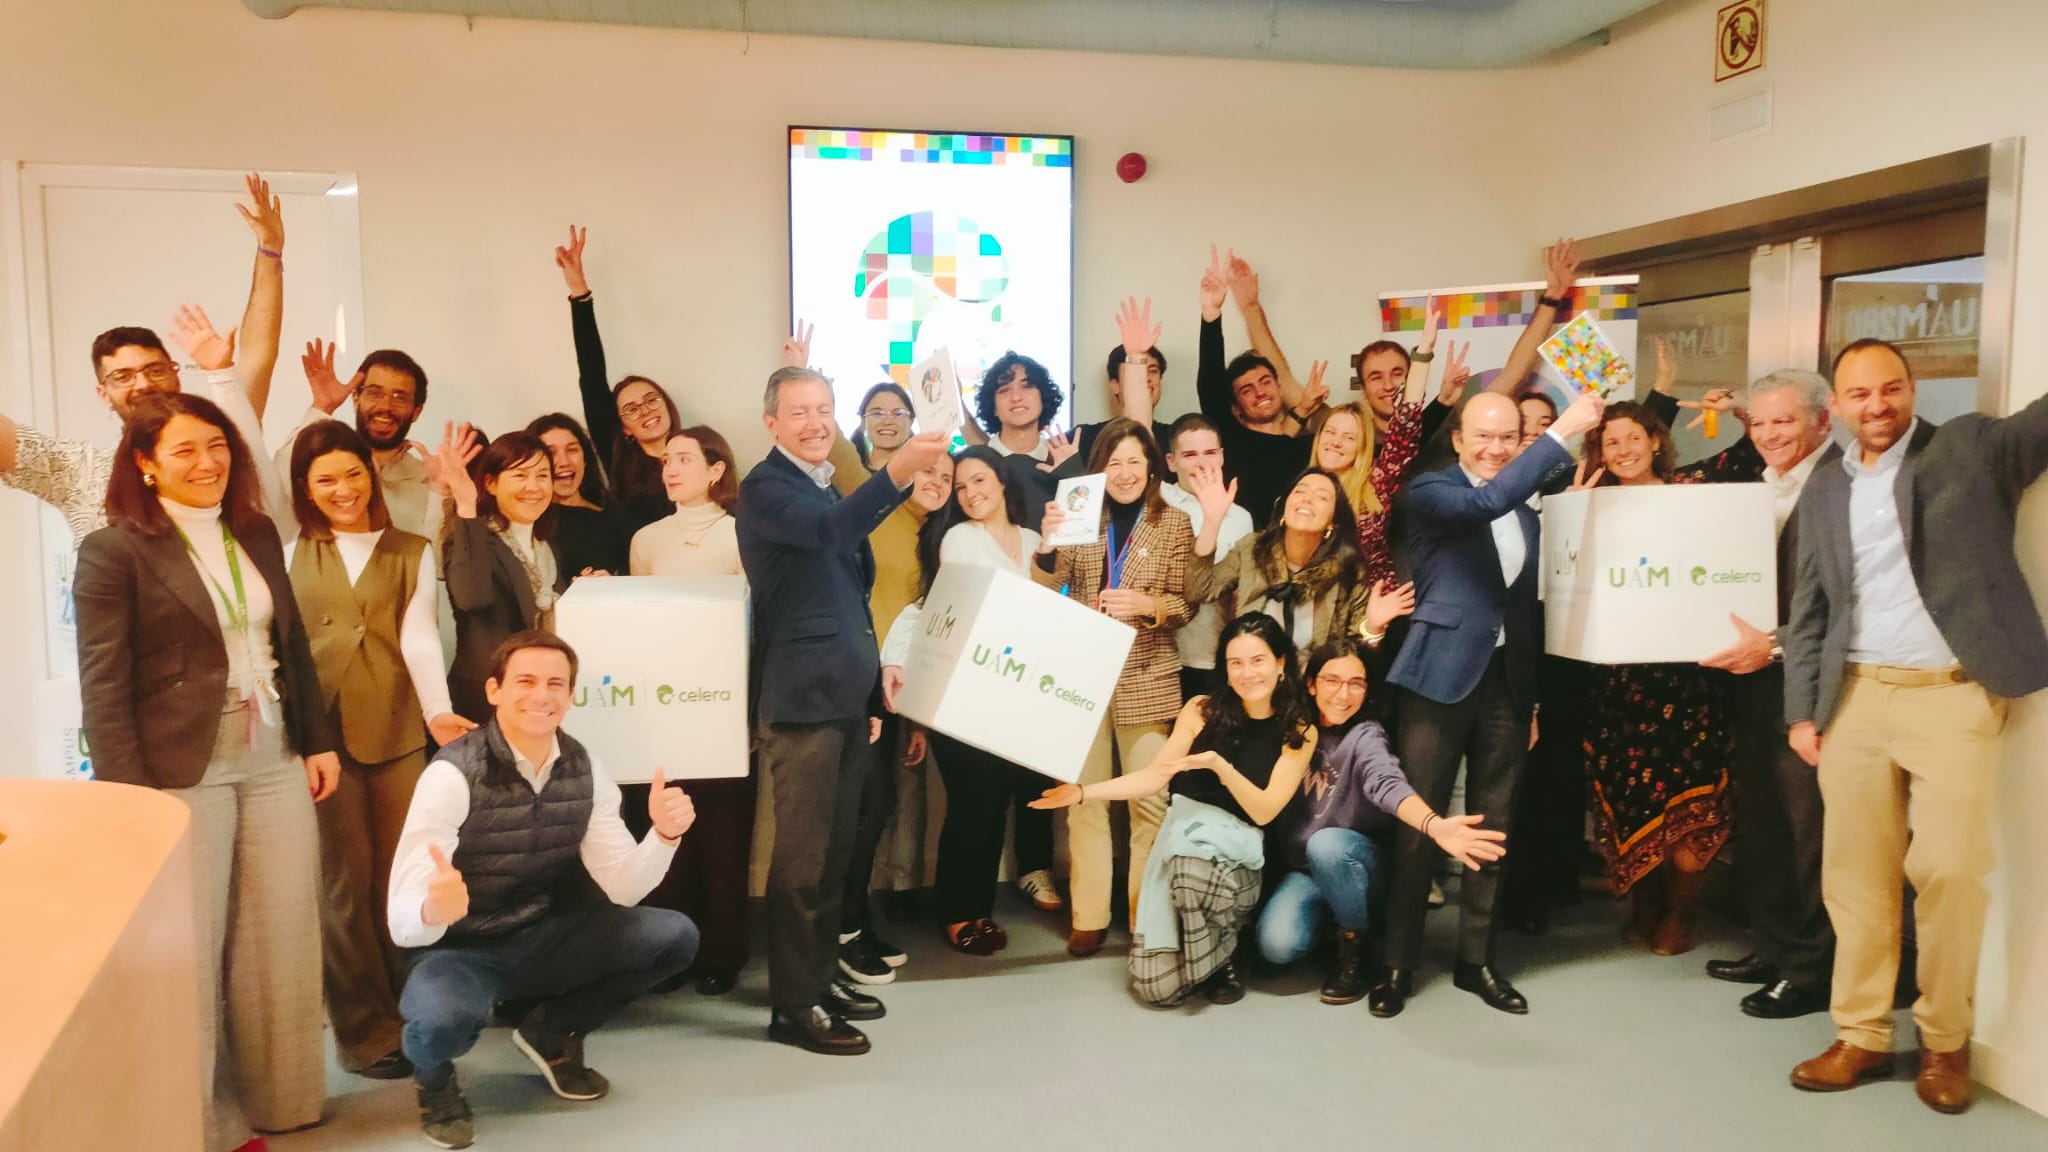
(447, 896)
(669, 809)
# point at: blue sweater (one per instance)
(1356, 784)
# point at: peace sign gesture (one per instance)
(796, 349)
(570, 260)
(1581, 481)
(1215, 286)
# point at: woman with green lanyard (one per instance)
(1134, 573)
(197, 679)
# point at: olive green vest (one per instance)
(354, 634)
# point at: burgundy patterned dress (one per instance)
(1399, 444)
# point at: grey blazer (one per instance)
(1958, 491)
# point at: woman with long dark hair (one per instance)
(1659, 737)
(368, 593)
(1134, 572)
(1331, 839)
(981, 526)
(590, 531)
(198, 680)
(501, 571)
(1235, 759)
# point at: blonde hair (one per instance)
(1356, 479)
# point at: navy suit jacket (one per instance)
(806, 555)
(1461, 601)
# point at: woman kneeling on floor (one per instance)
(1234, 760)
(1332, 838)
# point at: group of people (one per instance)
(1334, 608)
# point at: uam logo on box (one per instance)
(609, 694)
(1642, 575)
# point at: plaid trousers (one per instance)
(1212, 900)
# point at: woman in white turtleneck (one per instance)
(501, 570)
(197, 680)
(700, 539)
(368, 592)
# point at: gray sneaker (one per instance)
(445, 1118)
(560, 1060)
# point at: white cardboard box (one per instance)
(1012, 668)
(1650, 575)
(662, 674)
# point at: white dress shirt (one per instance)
(1197, 638)
(820, 473)
(625, 869)
(419, 634)
(1786, 487)
(1510, 543)
(1888, 622)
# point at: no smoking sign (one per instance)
(1738, 39)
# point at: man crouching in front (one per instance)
(485, 887)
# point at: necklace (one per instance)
(698, 541)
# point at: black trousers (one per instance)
(877, 806)
(980, 789)
(818, 773)
(1491, 736)
(1030, 828)
(707, 880)
(1550, 808)
(1778, 826)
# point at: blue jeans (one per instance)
(1337, 885)
(583, 962)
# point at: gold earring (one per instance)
(149, 479)
(1327, 531)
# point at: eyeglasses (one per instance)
(887, 414)
(1340, 684)
(374, 394)
(1490, 439)
(161, 372)
(639, 408)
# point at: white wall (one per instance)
(1857, 85)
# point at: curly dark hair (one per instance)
(1034, 374)
(1663, 453)
(1223, 714)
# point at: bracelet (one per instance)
(1422, 357)
(1372, 639)
(1426, 822)
(582, 299)
(1081, 791)
(1552, 301)
(270, 252)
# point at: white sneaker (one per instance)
(1436, 894)
(1038, 887)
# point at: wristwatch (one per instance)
(1777, 650)
(1553, 301)
(1420, 357)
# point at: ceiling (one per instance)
(1373, 33)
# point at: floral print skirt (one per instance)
(1659, 738)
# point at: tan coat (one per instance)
(1148, 690)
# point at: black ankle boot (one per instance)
(1347, 981)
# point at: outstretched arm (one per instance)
(1261, 804)
(263, 319)
(1212, 391)
(600, 411)
(1244, 288)
(1560, 268)
(1146, 781)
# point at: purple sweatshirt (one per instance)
(1357, 784)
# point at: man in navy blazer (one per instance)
(807, 560)
(1466, 674)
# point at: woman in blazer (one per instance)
(368, 592)
(500, 568)
(1136, 573)
(197, 679)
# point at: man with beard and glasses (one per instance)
(389, 389)
(129, 362)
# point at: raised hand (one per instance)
(1751, 650)
(1581, 481)
(569, 258)
(1463, 840)
(917, 454)
(329, 393)
(796, 349)
(267, 221)
(1560, 267)
(447, 728)
(1582, 415)
(1244, 283)
(1060, 447)
(1667, 367)
(1456, 373)
(1709, 407)
(1134, 324)
(1315, 393)
(1432, 323)
(669, 810)
(1209, 490)
(447, 896)
(448, 468)
(1215, 286)
(1386, 604)
(194, 332)
(1049, 525)
(323, 774)
(1060, 796)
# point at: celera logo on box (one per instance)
(1003, 663)
(1702, 577)
(606, 694)
(1640, 576)
(1049, 687)
(667, 694)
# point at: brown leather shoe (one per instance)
(1841, 1067)
(1944, 1083)
(1086, 941)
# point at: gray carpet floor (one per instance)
(1034, 1050)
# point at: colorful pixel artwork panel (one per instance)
(1486, 321)
(902, 243)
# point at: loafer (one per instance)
(1783, 1000)
(390, 1066)
(1086, 941)
(995, 931)
(1491, 987)
(1944, 1081)
(817, 1030)
(1748, 970)
(1841, 1067)
(1223, 985)
(1390, 995)
(848, 1002)
(971, 937)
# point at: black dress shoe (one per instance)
(1223, 986)
(819, 1031)
(1783, 1000)
(1391, 994)
(844, 1000)
(715, 981)
(390, 1066)
(1748, 970)
(1490, 986)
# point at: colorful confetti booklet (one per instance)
(1585, 358)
